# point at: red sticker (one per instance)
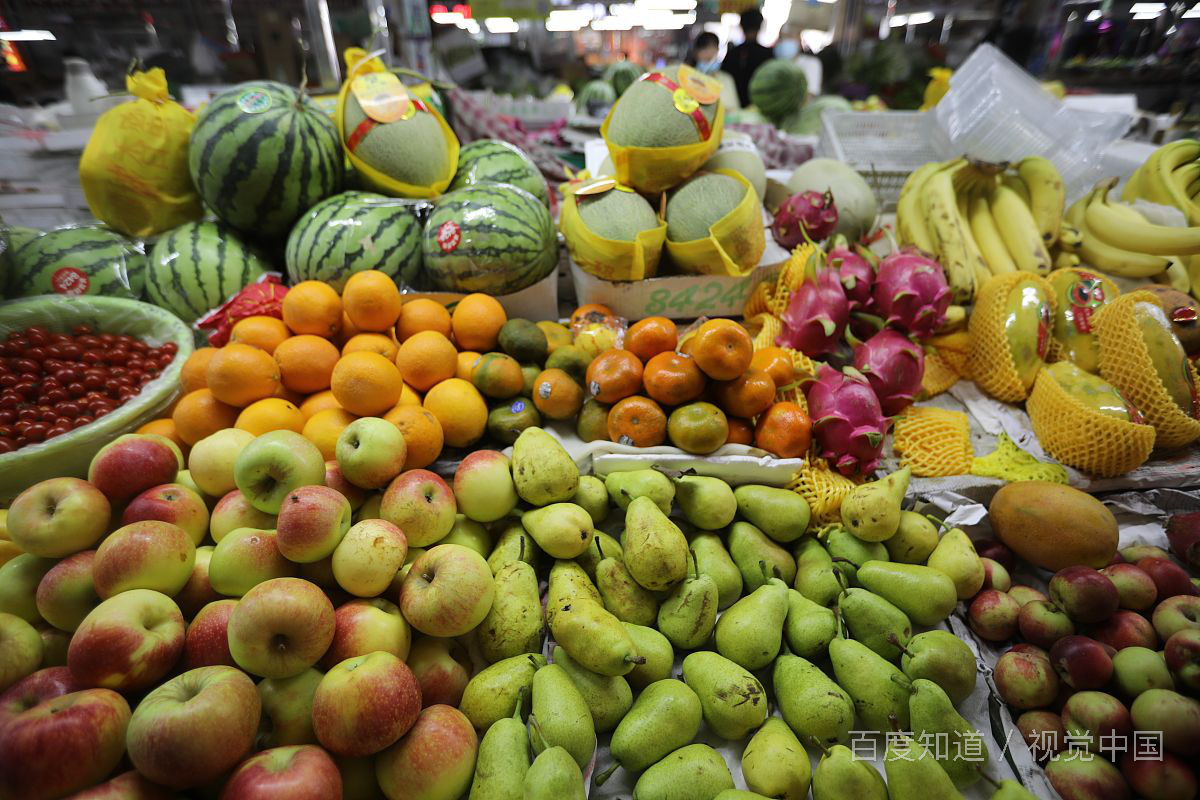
(70, 281)
(448, 236)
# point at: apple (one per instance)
(1025, 594)
(244, 559)
(1043, 733)
(45, 684)
(997, 551)
(131, 464)
(281, 627)
(19, 580)
(1170, 578)
(298, 772)
(995, 576)
(312, 520)
(434, 761)
(287, 709)
(1136, 669)
(368, 510)
(126, 786)
(367, 559)
(1075, 776)
(1162, 775)
(1081, 662)
(212, 459)
(144, 555)
(63, 744)
(184, 479)
(1183, 534)
(1182, 652)
(364, 704)
(358, 779)
(20, 650)
(1176, 716)
(1085, 594)
(370, 452)
(234, 511)
(194, 727)
(54, 647)
(274, 464)
(66, 594)
(469, 533)
(993, 615)
(1096, 715)
(448, 591)
(172, 503)
(320, 573)
(483, 486)
(1135, 588)
(58, 517)
(1177, 613)
(364, 626)
(1025, 679)
(198, 591)
(1042, 623)
(1136, 552)
(442, 668)
(334, 479)
(1126, 629)
(128, 642)
(419, 503)
(206, 641)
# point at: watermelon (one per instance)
(261, 154)
(594, 98)
(198, 266)
(11, 237)
(80, 259)
(493, 237)
(778, 89)
(351, 232)
(494, 161)
(622, 74)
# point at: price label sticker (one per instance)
(383, 97)
(702, 88)
(593, 186)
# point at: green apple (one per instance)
(58, 517)
(469, 533)
(364, 626)
(234, 511)
(435, 761)
(20, 650)
(365, 704)
(483, 486)
(311, 523)
(144, 555)
(274, 464)
(244, 559)
(369, 508)
(281, 627)
(19, 579)
(212, 459)
(366, 560)
(129, 641)
(287, 709)
(370, 452)
(67, 594)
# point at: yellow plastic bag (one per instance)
(134, 170)
(935, 90)
(734, 244)
(610, 259)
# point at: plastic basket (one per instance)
(884, 146)
(532, 112)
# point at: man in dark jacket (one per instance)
(742, 60)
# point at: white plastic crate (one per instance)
(533, 112)
(884, 146)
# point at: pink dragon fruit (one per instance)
(805, 211)
(893, 364)
(847, 420)
(911, 292)
(856, 274)
(816, 316)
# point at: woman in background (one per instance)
(705, 56)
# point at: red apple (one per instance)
(1170, 578)
(1183, 534)
(995, 576)
(244, 559)
(1162, 776)
(281, 628)
(448, 591)
(364, 626)
(365, 704)
(419, 503)
(334, 479)
(128, 642)
(993, 615)
(45, 684)
(997, 551)
(133, 463)
(312, 520)
(1081, 662)
(1182, 652)
(171, 503)
(21, 650)
(144, 555)
(66, 593)
(1042, 623)
(1043, 733)
(1126, 629)
(483, 486)
(287, 709)
(1085, 594)
(206, 643)
(443, 669)
(58, 517)
(300, 772)
(434, 761)
(1025, 594)
(126, 786)
(198, 591)
(1134, 587)
(1026, 679)
(1095, 716)
(234, 511)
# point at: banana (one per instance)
(910, 216)
(1019, 231)
(1065, 259)
(1047, 197)
(1015, 183)
(1176, 276)
(941, 216)
(1112, 225)
(1106, 258)
(1158, 183)
(1133, 187)
(982, 270)
(1069, 237)
(987, 236)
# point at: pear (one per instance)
(925, 594)
(707, 503)
(712, 559)
(567, 582)
(624, 487)
(839, 775)
(816, 577)
(849, 552)
(689, 613)
(622, 595)
(492, 693)
(503, 759)
(871, 511)
(914, 539)
(656, 649)
(1009, 790)
(809, 628)
(554, 775)
(739, 794)
(608, 697)
(779, 513)
(695, 772)
(665, 717)
(775, 764)
(604, 544)
(560, 716)
(956, 558)
(931, 713)
(748, 546)
(513, 544)
(656, 551)
(563, 530)
(733, 700)
(514, 624)
(943, 658)
(812, 705)
(879, 690)
(592, 496)
(913, 772)
(542, 470)
(750, 631)
(594, 637)
(875, 622)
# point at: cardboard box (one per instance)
(674, 296)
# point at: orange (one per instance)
(722, 349)
(477, 321)
(260, 331)
(409, 396)
(459, 409)
(199, 414)
(318, 402)
(776, 362)
(740, 431)
(672, 378)
(467, 359)
(591, 312)
(240, 374)
(165, 427)
(422, 314)
(380, 343)
(324, 427)
(313, 307)
(193, 376)
(348, 331)
(651, 336)
(556, 394)
(637, 421)
(498, 375)
(426, 358)
(366, 384)
(306, 363)
(422, 434)
(698, 427)
(784, 430)
(271, 414)
(614, 374)
(371, 300)
(557, 334)
(295, 398)
(747, 395)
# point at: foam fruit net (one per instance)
(990, 363)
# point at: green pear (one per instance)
(542, 470)
(871, 511)
(748, 546)
(560, 716)
(816, 577)
(624, 487)
(514, 624)
(554, 775)
(688, 614)
(601, 543)
(913, 772)
(943, 658)
(567, 582)
(707, 503)
(491, 694)
(775, 764)
(931, 713)
(914, 540)
(594, 637)
(622, 595)
(712, 559)
(592, 496)
(1010, 790)
(809, 628)
(779, 513)
(563, 530)
(695, 772)
(608, 697)
(849, 552)
(812, 705)
(665, 717)
(925, 594)
(656, 649)
(750, 631)
(739, 794)
(875, 622)
(656, 551)
(733, 700)
(513, 544)
(879, 690)
(839, 775)
(503, 759)
(956, 558)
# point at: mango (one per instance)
(1054, 526)
(1170, 361)
(1092, 391)
(1080, 294)
(1027, 323)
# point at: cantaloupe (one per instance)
(645, 116)
(738, 153)
(696, 204)
(617, 214)
(412, 150)
(855, 200)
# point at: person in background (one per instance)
(705, 56)
(791, 48)
(741, 60)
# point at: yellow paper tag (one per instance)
(382, 96)
(593, 186)
(702, 88)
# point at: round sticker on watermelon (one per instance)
(70, 281)
(448, 236)
(254, 101)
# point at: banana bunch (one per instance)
(1170, 177)
(981, 219)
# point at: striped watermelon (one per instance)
(622, 74)
(351, 232)
(778, 89)
(493, 238)
(494, 161)
(83, 259)
(198, 266)
(11, 237)
(261, 154)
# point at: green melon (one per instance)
(198, 266)
(646, 116)
(807, 121)
(855, 200)
(85, 259)
(494, 161)
(413, 150)
(738, 153)
(778, 88)
(617, 214)
(696, 204)
(622, 74)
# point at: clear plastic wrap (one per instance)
(78, 260)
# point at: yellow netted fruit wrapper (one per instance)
(769, 327)
(933, 442)
(939, 375)
(954, 349)
(822, 488)
(759, 301)
(997, 322)
(1010, 463)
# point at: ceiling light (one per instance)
(898, 21)
(501, 25)
(1093, 15)
(446, 17)
(1148, 8)
(27, 36)
(920, 18)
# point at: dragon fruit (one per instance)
(856, 274)
(911, 292)
(816, 316)
(809, 211)
(893, 364)
(847, 420)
